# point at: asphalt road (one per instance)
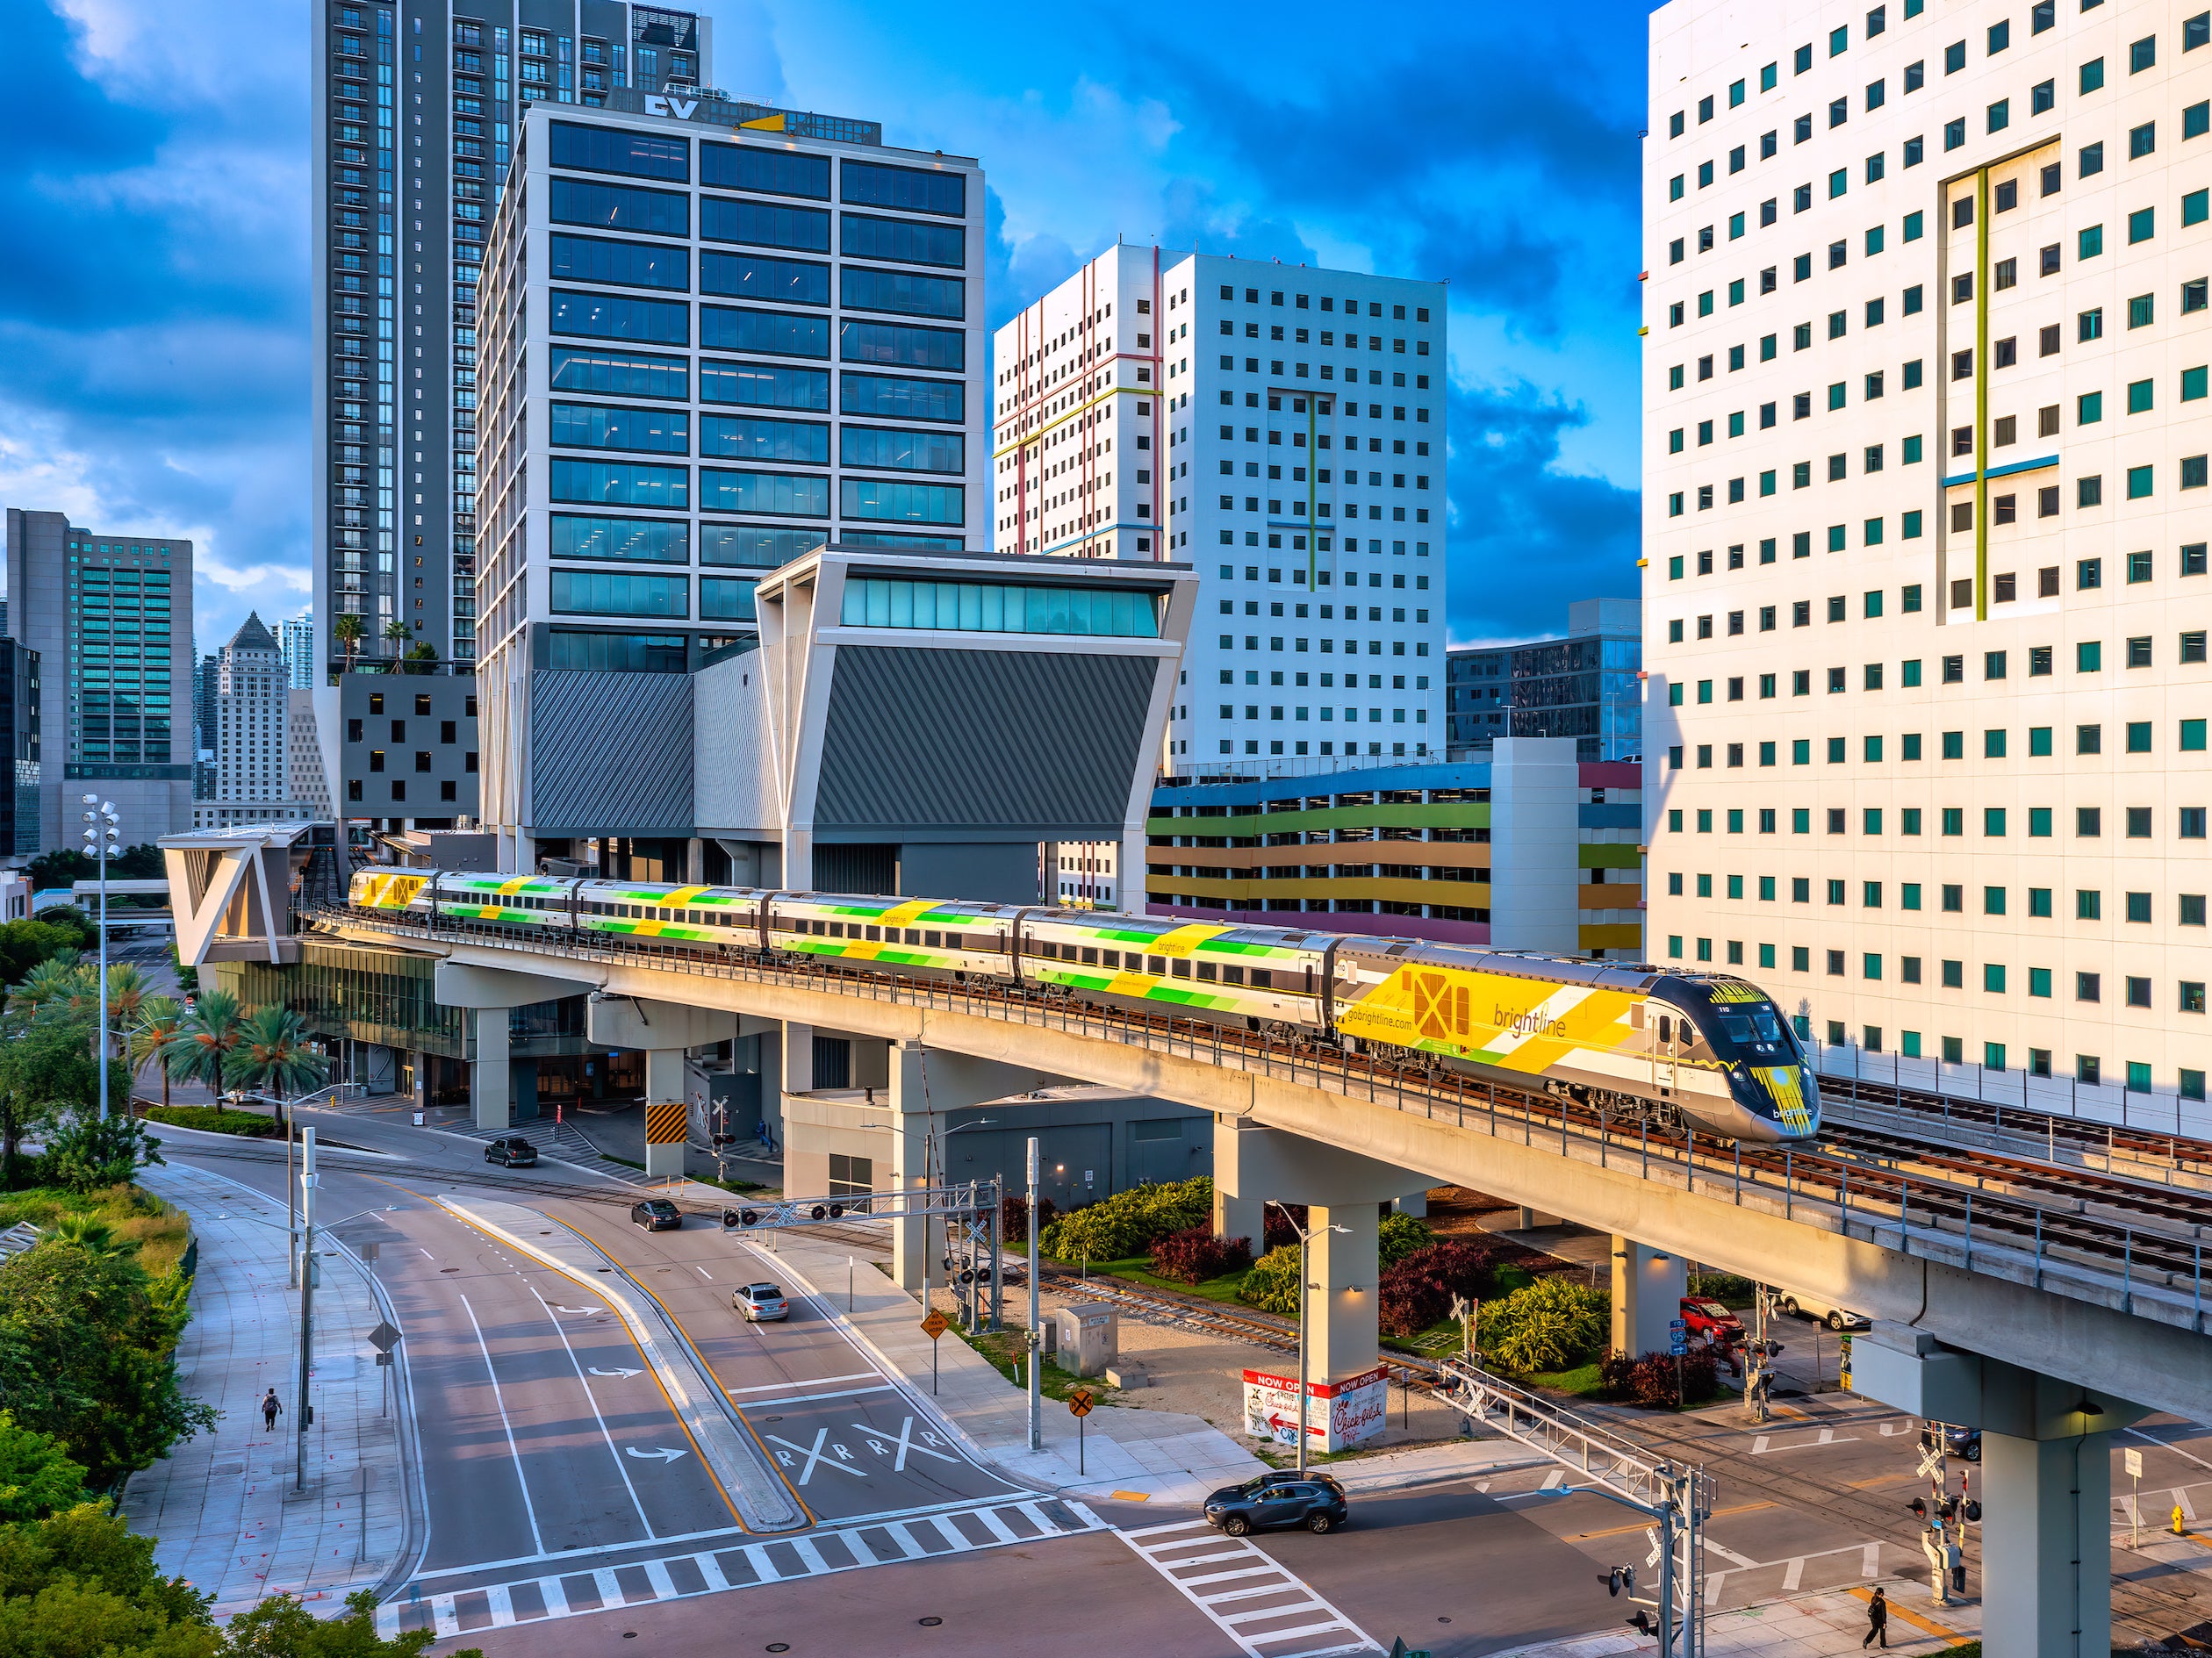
(567, 1504)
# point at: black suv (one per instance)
(511, 1151)
(656, 1215)
(1314, 1501)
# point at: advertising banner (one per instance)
(1338, 1414)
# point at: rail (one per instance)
(2063, 1245)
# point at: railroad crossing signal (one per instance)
(936, 1324)
(1080, 1402)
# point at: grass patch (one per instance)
(624, 1162)
(1007, 1350)
(1138, 1270)
(156, 1230)
(213, 1119)
(743, 1189)
(1582, 1381)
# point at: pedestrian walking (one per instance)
(1954, 1557)
(269, 1406)
(1877, 1622)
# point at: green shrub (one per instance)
(1554, 1324)
(1272, 1285)
(215, 1119)
(1129, 1223)
(1725, 1288)
(1399, 1237)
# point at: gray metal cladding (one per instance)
(982, 740)
(610, 753)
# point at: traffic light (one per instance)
(734, 1219)
(1919, 1507)
(1620, 1578)
(1642, 1625)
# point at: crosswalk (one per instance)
(1266, 1609)
(816, 1553)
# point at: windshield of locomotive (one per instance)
(1753, 1030)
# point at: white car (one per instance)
(760, 1304)
(1801, 1305)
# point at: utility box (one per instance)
(1089, 1339)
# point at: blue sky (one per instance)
(153, 309)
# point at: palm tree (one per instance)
(274, 1052)
(160, 1021)
(88, 1232)
(397, 636)
(206, 1042)
(348, 630)
(61, 981)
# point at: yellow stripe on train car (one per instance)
(394, 891)
(1782, 1085)
(679, 897)
(1523, 1024)
(907, 913)
(1183, 940)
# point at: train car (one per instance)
(505, 900)
(923, 937)
(1259, 977)
(1711, 1050)
(717, 919)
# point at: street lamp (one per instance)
(1305, 1235)
(102, 839)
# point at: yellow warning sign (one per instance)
(664, 1123)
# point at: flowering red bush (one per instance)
(1193, 1256)
(1419, 1290)
(1014, 1218)
(1278, 1230)
(1650, 1380)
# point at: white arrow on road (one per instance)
(659, 1453)
(597, 1372)
(560, 1308)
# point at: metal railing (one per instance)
(2147, 1270)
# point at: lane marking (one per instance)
(584, 1382)
(1793, 1576)
(808, 1398)
(809, 1382)
(528, 1508)
(2165, 1445)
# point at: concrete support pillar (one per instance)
(664, 1087)
(491, 1104)
(1414, 1203)
(1528, 1220)
(1648, 1288)
(1342, 1305)
(1235, 1217)
(913, 1243)
(2046, 1545)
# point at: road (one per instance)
(567, 1503)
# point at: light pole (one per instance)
(103, 838)
(1036, 1335)
(307, 1178)
(1305, 1235)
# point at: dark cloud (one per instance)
(1527, 539)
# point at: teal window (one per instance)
(607, 593)
(1735, 819)
(2142, 225)
(892, 450)
(577, 368)
(1705, 303)
(1871, 749)
(642, 540)
(2193, 735)
(1768, 78)
(1908, 675)
(2089, 408)
(782, 494)
(2139, 737)
(1994, 745)
(1766, 959)
(1994, 982)
(1909, 1044)
(726, 599)
(1766, 482)
(2141, 310)
(591, 425)
(2195, 207)
(1914, 223)
(2039, 741)
(1801, 820)
(2192, 384)
(1954, 745)
(1674, 694)
(766, 386)
(901, 503)
(1835, 538)
(1871, 532)
(999, 608)
(2091, 75)
(1674, 563)
(1674, 186)
(1736, 887)
(619, 483)
(1908, 895)
(2090, 242)
(1705, 691)
(1801, 751)
(2138, 482)
(1993, 900)
(2039, 822)
(2138, 1076)
(2089, 656)
(1766, 889)
(1674, 946)
(753, 545)
(1705, 949)
(2039, 902)
(1704, 820)
(1954, 819)
(1911, 449)
(1870, 966)
(748, 438)
(1993, 822)
(2139, 397)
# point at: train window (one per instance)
(1205, 970)
(1112, 959)
(1262, 979)
(1666, 1030)
(1156, 966)
(1232, 975)
(1090, 957)
(875, 934)
(837, 929)
(932, 939)
(1182, 965)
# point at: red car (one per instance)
(1701, 1317)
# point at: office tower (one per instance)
(206, 676)
(1585, 687)
(1208, 410)
(252, 716)
(1925, 458)
(296, 645)
(20, 716)
(305, 783)
(115, 613)
(415, 109)
(820, 255)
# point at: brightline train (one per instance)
(1703, 1049)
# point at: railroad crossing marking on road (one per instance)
(899, 1448)
(839, 1458)
(881, 1442)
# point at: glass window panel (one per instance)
(610, 149)
(763, 224)
(744, 438)
(620, 484)
(997, 608)
(610, 592)
(776, 332)
(598, 426)
(753, 545)
(632, 264)
(574, 369)
(893, 345)
(772, 172)
(615, 652)
(762, 385)
(888, 398)
(881, 498)
(665, 322)
(913, 189)
(724, 598)
(640, 540)
(899, 451)
(786, 494)
(862, 237)
(653, 213)
(789, 282)
(864, 288)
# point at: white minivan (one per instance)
(1799, 1304)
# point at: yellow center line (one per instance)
(1911, 1616)
(1619, 1531)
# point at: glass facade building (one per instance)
(1585, 687)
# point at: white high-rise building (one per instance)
(1280, 429)
(296, 643)
(253, 714)
(1926, 590)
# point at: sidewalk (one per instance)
(222, 1505)
(1826, 1626)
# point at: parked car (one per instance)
(511, 1151)
(1271, 1501)
(760, 1304)
(1964, 1442)
(1800, 1305)
(656, 1215)
(1701, 1316)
